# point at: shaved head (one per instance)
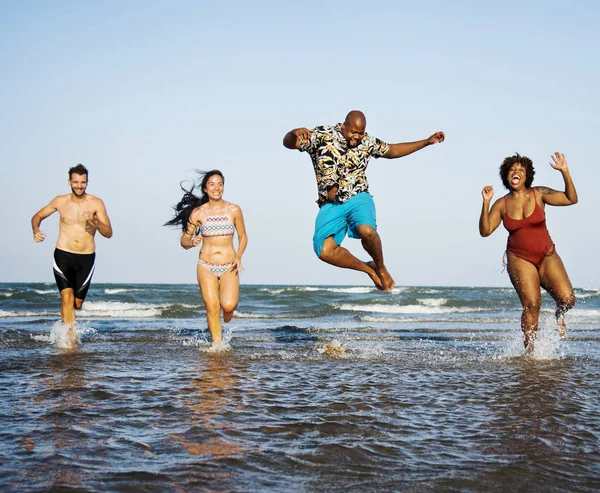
(353, 128)
(356, 118)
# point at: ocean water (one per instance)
(320, 388)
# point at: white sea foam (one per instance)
(574, 315)
(349, 289)
(370, 319)
(117, 309)
(6, 294)
(588, 293)
(9, 314)
(354, 290)
(118, 290)
(45, 291)
(273, 291)
(425, 318)
(433, 301)
(407, 309)
(256, 315)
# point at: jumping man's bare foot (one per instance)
(386, 278)
(227, 316)
(374, 276)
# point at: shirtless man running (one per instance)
(81, 215)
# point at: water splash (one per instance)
(201, 338)
(333, 348)
(547, 345)
(216, 347)
(64, 336)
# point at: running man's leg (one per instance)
(65, 270)
(86, 264)
(67, 307)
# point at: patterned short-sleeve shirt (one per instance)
(335, 163)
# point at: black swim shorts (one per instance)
(74, 270)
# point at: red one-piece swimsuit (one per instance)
(528, 238)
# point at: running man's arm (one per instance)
(554, 197)
(294, 138)
(240, 227)
(489, 220)
(100, 220)
(39, 216)
(406, 148)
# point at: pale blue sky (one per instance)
(142, 92)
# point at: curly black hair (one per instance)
(525, 162)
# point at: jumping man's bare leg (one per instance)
(371, 242)
(334, 254)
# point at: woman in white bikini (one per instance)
(211, 222)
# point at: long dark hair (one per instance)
(183, 209)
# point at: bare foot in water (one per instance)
(562, 327)
(227, 316)
(374, 276)
(72, 336)
(529, 338)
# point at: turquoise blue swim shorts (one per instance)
(340, 218)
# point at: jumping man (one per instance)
(340, 155)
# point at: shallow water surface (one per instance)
(321, 389)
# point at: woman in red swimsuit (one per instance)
(532, 260)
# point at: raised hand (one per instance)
(487, 193)
(39, 236)
(436, 138)
(560, 161)
(303, 135)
